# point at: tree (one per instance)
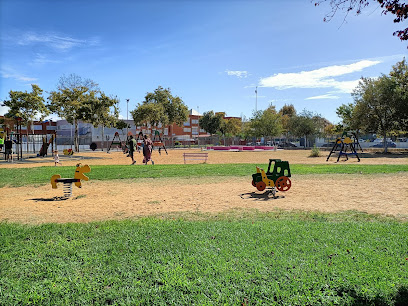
(162, 107)
(266, 123)
(247, 130)
(100, 111)
(271, 122)
(375, 105)
(210, 122)
(286, 112)
(329, 130)
(149, 113)
(27, 105)
(233, 127)
(399, 75)
(306, 124)
(346, 113)
(72, 92)
(380, 105)
(121, 124)
(398, 8)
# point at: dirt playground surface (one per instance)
(384, 194)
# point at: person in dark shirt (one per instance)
(132, 148)
(8, 149)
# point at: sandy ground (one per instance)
(141, 197)
(96, 200)
(175, 156)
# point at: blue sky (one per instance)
(210, 53)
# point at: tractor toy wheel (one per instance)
(283, 183)
(253, 183)
(260, 186)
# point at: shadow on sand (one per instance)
(49, 199)
(391, 154)
(267, 195)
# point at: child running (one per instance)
(56, 158)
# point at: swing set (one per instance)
(347, 146)
(157, 141)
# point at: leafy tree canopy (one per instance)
(306, 124)
(99, 110)
(72, 92)
(399, 75)
(233, 126)
(398, 8)
(286, 112)
(162, 107)
(375, 105)
(121, 124)
(211, 122)
(27, 105)
(266, 123)
(380, 105)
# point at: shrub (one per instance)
(315, 152)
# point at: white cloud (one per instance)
(9, 73)
(3, 110)
(43, 59)
(54, 40)
(237, 73)
(319, 78)
(326, 96)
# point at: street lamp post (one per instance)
(256, 98)
(198, 136)
(127, 116)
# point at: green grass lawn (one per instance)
(42, 175)
(288, 259)
(282, 258)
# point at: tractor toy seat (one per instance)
(276, 177)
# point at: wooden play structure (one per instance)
(277, 179)
(12, 127)
(44, 148)
(158, 142)
(79, 175)
(116, 141)
(347, 146)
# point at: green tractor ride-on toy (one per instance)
(278, 179)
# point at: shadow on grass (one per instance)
(358, 298)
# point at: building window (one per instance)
(202, 131)
(186, 130)
(194, 121)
